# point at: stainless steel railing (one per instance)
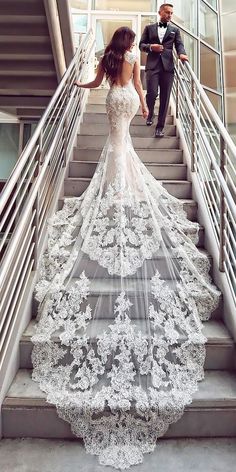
(27, 196)
(213, 159)
(26, 199)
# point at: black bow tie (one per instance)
(162, 25)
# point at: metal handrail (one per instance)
(216, 168)
(212, 112)
(13, 178)
(33, 185)
(213, 160)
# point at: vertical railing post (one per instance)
(177, 90)
(222, 207)
(65, 131)
(35, 208)
(193, 128)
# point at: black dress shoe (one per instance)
(149, 121)
(159, 133)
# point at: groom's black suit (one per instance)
(160, 66)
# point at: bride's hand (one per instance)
(144, 112)
(78, 84)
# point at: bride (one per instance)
(123, 291)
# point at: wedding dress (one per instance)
(123, 291)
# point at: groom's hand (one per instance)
(183, 57)
(156, 47)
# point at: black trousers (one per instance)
(162, 81)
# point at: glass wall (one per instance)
(229, 53)
(209, 68)
(104, 31)
(9, 143)
(200, 28)
(13, 138)
(208, 25)
(185, 14)
(198, 21)
(125, 5)
(146, 20)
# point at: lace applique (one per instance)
(122, 289)
(101, 388)
(130, 57)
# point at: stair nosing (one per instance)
(156, 164)
(221, 341)
(211, 403)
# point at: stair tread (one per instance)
(218, 389)
(101, 117)
(184, 201)
(135, 130)
(149, 138)
(214, 330)
(101, 108)
(137, 149)
(87, 179)
(152, 163)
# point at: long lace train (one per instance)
(123, 291)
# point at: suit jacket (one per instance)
(172, 37)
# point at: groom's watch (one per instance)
(150, 47)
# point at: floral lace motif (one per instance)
(130, 57)
(100, 384)
(122, 289)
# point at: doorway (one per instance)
(104, 27)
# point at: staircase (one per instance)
(212, 413)
(30, 68)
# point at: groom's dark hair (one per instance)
(166, 5)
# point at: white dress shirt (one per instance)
(161, 32)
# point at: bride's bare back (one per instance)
(127, 72)
(130, 70)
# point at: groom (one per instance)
(158, 40)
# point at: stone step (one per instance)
(220, 348)
(95, 142)
(101, 117)
(10, 26)
(101, 108)
(201, 233)
(212, 413)
(97, 99)
(135, 130)
(22, 85)
(26, 45)
(105, 292)
(168, 268)
(189, 205)
(74, 187)
(101, 92)
(206, 454)
(159, 171)
(159, 156)
(28, 8)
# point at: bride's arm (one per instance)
(96, 82)
(139, 88)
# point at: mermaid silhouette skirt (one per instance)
(122, 294)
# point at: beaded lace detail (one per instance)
(122, 294)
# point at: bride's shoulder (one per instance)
(130, 57)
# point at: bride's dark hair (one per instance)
(113, 57)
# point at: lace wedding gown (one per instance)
(123, 289)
